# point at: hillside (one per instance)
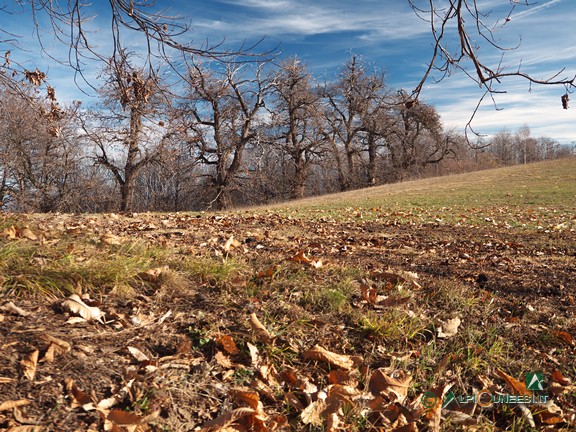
(439, 304)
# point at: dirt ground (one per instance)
(182, 352)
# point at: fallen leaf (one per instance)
(10, 233)
(432, 403)
(449, 328)
(10, 404)
(300, 257)
(55, 348)
(123, 418)
(138, 355)
(228, 344)
(222, 421)
(27, 234)
(11, 307)
(254, 357)
(29, 364)
(564, 337)
(223, 360)
(395, 385)
(152, 275)
(111, 239)
(321, 354)
(78, 398)
(518, 387)
(261, 332)
(312, 414)
(559, 378)
(231, 244)
(75, 304)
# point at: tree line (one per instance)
(227, 133)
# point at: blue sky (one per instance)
(386, 33)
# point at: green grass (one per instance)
(539, 190)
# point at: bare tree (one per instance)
(221, 115)
(297, 128)
(461, 30)
(415, 136)
(351, 100)
(39, 161)
(133, 133)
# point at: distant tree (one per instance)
(221, 115)
(296, 126)
(350, 101)
(130, 133)
(39, 159)
(415, 136)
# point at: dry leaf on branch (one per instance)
(321, 354)
(75, 305)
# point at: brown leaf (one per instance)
(228, 344)
(312, 414)
(10, 404)
(10, 233)
(231, 244)
(152, 275)
(300, 257)
(564, 337)
(254, 357)
(518, 387)
(432, 403)
(368, 293)
(396, 385)
(226, 419)
(261, 332)
(123, 418)
(321, 354)
(29, 365)
(55, 348)
(27, 234)
(559, 378)
(78, 397)
(223, 360)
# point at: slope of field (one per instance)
(441, 304)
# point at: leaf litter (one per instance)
(270, 322)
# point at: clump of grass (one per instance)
(390, 325)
